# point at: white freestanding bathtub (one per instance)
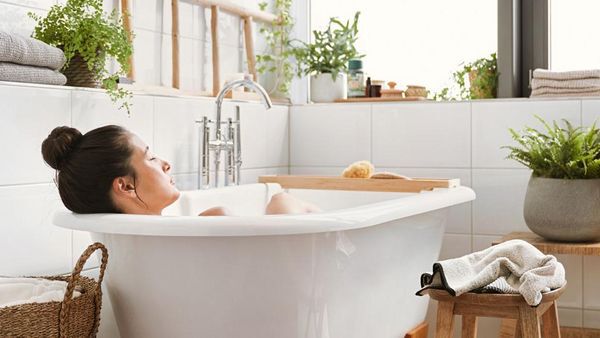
(350, 271)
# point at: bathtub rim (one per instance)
(218, 226)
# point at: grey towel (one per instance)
(563, 92)
(20, 73)
(28, 51)
(514, 266)
(565, 84)
(571, 75)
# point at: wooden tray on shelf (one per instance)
(380, 99)
(358, 184)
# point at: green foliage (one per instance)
(277, 59)
(475, 80)
(331, 49)
(80, 27)
(568, 153)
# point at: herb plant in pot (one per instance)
(326, 59)
(89, 38)
(563, 195)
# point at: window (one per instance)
(416, 42)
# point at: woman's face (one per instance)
(153, 184)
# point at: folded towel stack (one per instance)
(573, 83)
(17, 291)
(24, 59)
(511, 267)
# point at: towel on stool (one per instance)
(28, 51)
(19, 73)
(16, 291)
(511, 267)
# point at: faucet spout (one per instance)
(266, 100)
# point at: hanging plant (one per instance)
(475, 80)
(86, 34)
(277, 58)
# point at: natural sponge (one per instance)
(360, 169)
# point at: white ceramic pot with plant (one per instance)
(563, 195)
(326, 59)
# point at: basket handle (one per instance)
(72, 282)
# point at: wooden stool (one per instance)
(519, 319)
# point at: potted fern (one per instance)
(326, 59)
(563, 193)
(89, 38)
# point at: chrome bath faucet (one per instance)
(227, 139)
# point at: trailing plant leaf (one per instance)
(475, 80)
(80, 27)
(559, 152)
(277, 60)
(330, 50)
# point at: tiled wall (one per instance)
(151, 22)
(29, 243)
(455, 139)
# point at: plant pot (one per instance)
(324, 89)
(563, 210)
(79, 75)
(479, 89)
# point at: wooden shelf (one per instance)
(379, 99)
(550, 247)
(358, 184)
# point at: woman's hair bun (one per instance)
(57, 147)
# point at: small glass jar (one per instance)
(356, 79)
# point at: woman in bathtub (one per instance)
(111, 170)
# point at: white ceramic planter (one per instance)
(324, 89)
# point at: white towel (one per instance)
(566, 84)
(28, 51)
(16, 291)
(515, 263)
(19, 73)
(570, 75)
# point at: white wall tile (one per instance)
(81, 240)
(230, 60)
(250, 176)
(147, 47)
(14, 18)
(176, 133)
(590, 112)
(326, 135)
(278, 171)
(253, 118)
(455, 246)
(326, 171)
(591, 319)
(229, 28)
(422, 135)
(481, 242)
(591, 282)
(498, 208)
(93, 109)
(570, 317)
(573, 295)
(30, 244)
(187, 70)
(41, 4)
(492, 118)
(278, 136)
(459, 216)
(26, 122)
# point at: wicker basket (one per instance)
(77, 317)
(79, 75)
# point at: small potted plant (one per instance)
(89, 38)
(482, 75)
(326, 59)
(563, 193)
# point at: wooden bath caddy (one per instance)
(380, 99)
(359, 184)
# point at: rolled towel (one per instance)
(570, 75)
(17, 291)
(19, 73)
(28, 51)
(566, 84)
(558, 92)
(513, 267)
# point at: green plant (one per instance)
(475, 80)
(277, 59)
(568, 153)
(331, 49)
(80, 27)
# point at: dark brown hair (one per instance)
(86, 165)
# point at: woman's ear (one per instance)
(124, 187)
